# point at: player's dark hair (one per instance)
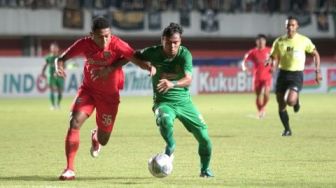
(172, 29)
(293, 18)
(260, 36)
(99, 23)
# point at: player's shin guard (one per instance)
(52, 98)
(59, 98)
(71, 146)
(204, 150)
(166, 130)
(284, 119)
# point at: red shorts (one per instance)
(106, 107)
(258, 84)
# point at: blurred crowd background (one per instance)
(217, 32)
(229, 6)
(214, 28)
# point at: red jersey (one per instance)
(259, 57)
(97, 57)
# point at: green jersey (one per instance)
(50, 59)
(176, 67)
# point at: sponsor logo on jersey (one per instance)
(107, 54)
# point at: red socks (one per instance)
(71, 146)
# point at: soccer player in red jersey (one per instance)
(104, 52)
(262, 75)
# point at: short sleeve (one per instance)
(275, 49)
(310, 46)
(146, 53)
(249, 55)
(125, 49)
(188, 67)
(76, 49)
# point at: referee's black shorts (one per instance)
(289, 80)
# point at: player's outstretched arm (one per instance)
(243, 63)
(75, 49)
(317, 61)
(145, 65)
(59, 66)
(103, 72)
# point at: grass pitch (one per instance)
(247, 152)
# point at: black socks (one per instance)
(284, 119)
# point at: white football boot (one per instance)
(95, 145)
(67, 174)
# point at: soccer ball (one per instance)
(160, 165)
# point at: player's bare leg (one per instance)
(292, 99)
(72, 143)
(59, 97)
(53, 90)
(266, 96)
(258, 92)
(283, 113)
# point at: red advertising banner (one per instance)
(216, 79)
(309, 79)
(331, 79)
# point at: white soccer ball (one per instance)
(160, 165)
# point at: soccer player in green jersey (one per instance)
(288, 51)
(172, 100)
(56, 83)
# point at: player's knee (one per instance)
(75, 123)
(291, 102)
(281, 106)
(204, 141)
(164, 121)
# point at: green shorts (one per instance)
(55, 81)
(186, 112)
